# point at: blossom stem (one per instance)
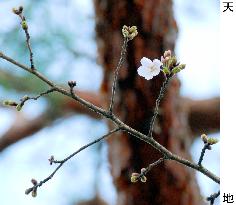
(206, 146)
(152, 165)
(121, 61)
(27, 35)
(158, 100)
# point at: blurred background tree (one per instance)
(64, 44)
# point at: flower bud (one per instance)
(19, 107)
(24, 25)
(165, 70)
(167, 53)
(212, 141)
(134, 177)
(178, 68)
(175, 70)
(20, 9)
(143, 179)
(72, 83)
(172, 62)
(34, 181)
(129, 32)
(182, 66)
(204, 138)
(15, 11)
(9, 103)
(133, 29)
(34, 193)
(5, 102)
(143, 170)
(163, 59)
(51, 160)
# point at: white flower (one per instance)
(149, 68)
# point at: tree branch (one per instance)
(121, 61)
(62, 162)
(160, 96)
(23, 128)
(117, 122)
(205, 147)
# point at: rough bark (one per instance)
(169, 183)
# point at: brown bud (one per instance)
(51, 160)
(34, 181)
(72, 83)
(20, 9)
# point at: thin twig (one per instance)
(57, 88)
(26, 98)
(158, 100)
(213, 197)
(34, 72)
(121, 61)
(27, 35)
(206, 146)
(62, 162)
(152, 165)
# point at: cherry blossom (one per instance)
(148, 68)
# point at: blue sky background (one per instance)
(197, 46)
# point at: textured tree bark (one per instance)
(168, 183)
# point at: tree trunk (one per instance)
(169, 183)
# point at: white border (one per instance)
(228, 100)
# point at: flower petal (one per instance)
(148, 76)
(156, 71)
(142, 71)
(146, 61)
(157, 62)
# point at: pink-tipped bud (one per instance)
(143, 170)
(167, 53)
(162, 59)
(34, 181)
